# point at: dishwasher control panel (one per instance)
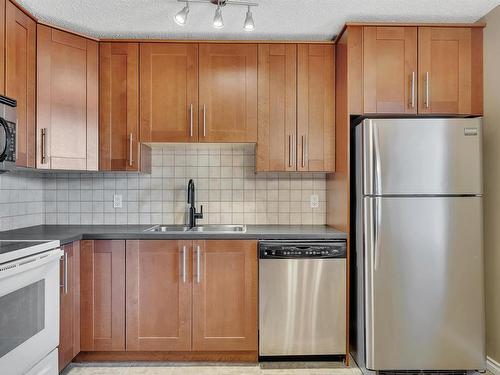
(299, 250)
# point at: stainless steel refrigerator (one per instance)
(417, 269)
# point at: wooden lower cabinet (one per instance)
(225, 295)
(69, 321)
(158, 296)
(192, 298)
(102, 292)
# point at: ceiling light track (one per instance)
(181, 17)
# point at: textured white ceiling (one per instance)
(274, 19)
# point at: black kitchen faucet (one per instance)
(193, 215)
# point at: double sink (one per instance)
(202, 228)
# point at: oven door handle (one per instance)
(25, 264)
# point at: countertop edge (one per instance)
(68, 234)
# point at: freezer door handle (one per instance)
(377, 218)
(376, 160)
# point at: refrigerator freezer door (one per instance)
(421, 156)
(424, 283)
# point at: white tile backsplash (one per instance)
(21, 199)
(226, 186)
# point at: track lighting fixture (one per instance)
(249, 25)
(181, 17)
(218, 22)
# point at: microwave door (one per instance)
(421, 156)
(423, 277)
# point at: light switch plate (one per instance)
(314, 201)
(117, 201)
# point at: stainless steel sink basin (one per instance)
(168, 228)
(220, 228)
(202, 228)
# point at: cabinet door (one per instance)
(228, 93)
(315, 108)
(449, 72)
(69, 320)
(169, 92)
(2, 47)
(390, 70)
(277, 103)
(224, 295)
(119, 107)
(20, 78)
(158, 295)
(102, 295)
(67, 101)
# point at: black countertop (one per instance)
(69, 233)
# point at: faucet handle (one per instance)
(199, 215)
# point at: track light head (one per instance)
(218, 21)
(249, 25)
(181, 17)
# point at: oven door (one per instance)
(29, 311)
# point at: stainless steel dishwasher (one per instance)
(302, 291)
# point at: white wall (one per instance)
(492, 180)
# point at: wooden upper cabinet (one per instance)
(169, 92)
(450, 70)
(390, 70)
(316, 108)
(225, 295)
(102, 291)
(228, 93)
(2, 47)
(277, 107)
(20, 79)
(67, 101)
(119, 146)
(158, 296)
(69, 327)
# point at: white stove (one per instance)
(29, 307)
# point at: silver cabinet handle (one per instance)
(184, 264)
(303, 151)
(191, 120)
(64, 285)
(289, 150)
(412, 102)
(131, 150)
(198, 267)
(204, 120)
(42, 145)
(427, 84)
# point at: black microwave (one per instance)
(8, 120)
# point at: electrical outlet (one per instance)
(314, 201)
(117, 201)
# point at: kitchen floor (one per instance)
(208, 370)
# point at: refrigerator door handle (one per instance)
(377, 217)
(376, 161)
(369, 243)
